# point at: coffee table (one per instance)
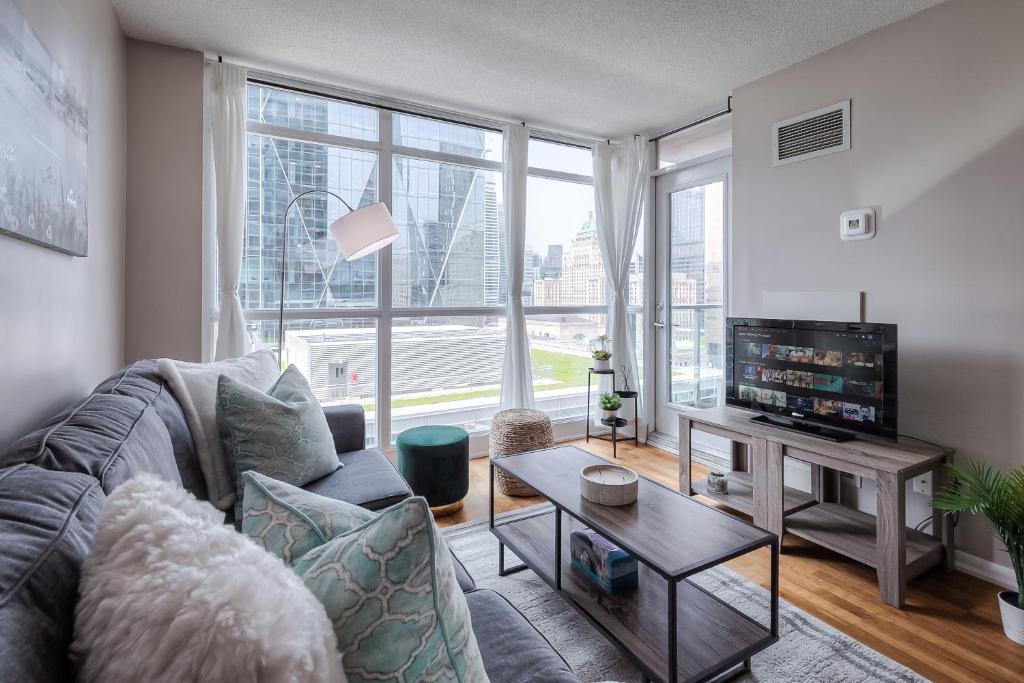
(672, 628)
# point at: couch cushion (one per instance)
(46, 527)
(170, 594)
(107, 436)
(512, 649)
(142, 380)
(367, 479)
(389, 588)
(289, 522)
(281, 433)
(348, 427)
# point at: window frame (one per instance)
(549, 174)
(384, 313)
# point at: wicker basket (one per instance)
(518, 431)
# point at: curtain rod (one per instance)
(694, 124)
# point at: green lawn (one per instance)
(565, 369)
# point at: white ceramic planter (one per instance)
(609, 414)
(605, 364)
(1013, 617)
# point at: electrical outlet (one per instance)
(923, 484)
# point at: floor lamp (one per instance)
(358, 233)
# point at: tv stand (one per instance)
(881, 541)
(804, 428)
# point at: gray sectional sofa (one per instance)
(53, 483)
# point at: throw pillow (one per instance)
(282, 433)
(195, 387)
(390, 591)
(288, 521)
(168, 593)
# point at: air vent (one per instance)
(810, 135)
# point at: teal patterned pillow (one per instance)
(281, 433)
(390, 591)
(288, 521)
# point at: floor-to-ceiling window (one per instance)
(564, 284)
(416, 333)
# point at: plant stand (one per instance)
(614, 436)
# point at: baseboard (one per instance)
(992, 572)
(709, 457)
(664, 442)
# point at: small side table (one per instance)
(618, 422)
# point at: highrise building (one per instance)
(452, 249)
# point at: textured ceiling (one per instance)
(600, 67)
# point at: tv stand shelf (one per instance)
(883, 542)
(852, 533)
(740, 496)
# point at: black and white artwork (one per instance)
(44, 125)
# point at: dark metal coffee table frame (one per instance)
(728, 668)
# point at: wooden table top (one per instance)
(891, 456)
(673, 533)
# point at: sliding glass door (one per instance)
(692, 214)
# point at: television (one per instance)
(834, 380)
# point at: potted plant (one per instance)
(610, 404)
(980, 488)
(599, 350)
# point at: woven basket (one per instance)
(518, 431)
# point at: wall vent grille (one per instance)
(810, 135)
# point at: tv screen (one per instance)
(836, 375)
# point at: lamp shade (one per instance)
(364, 231)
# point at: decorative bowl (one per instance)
(609, 484)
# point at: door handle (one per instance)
(658, 324)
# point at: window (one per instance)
(445, 185)
(448, 138)
(316, 274)
(552, 156)
(447, 370)
(697, 236)
(299, 111)
(451, 249)
(564, 284)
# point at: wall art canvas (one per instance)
(44, 126)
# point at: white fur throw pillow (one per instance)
(195, 387)
(168, 593)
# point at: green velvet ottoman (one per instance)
(435, 463)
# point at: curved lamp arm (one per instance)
(284, 264)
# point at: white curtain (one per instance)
(227, 110)
(517, 379)
(620, 181)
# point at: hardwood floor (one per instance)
(948, 631)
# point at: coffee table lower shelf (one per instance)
(713, 638)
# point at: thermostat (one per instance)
(857, 224)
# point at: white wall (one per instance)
(938, 148)
(164, 242)
(62, 318)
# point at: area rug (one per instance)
(808, 649)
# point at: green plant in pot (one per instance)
(610, 404)
(981, 489)
(599, 349)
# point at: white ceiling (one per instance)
(606, 68)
